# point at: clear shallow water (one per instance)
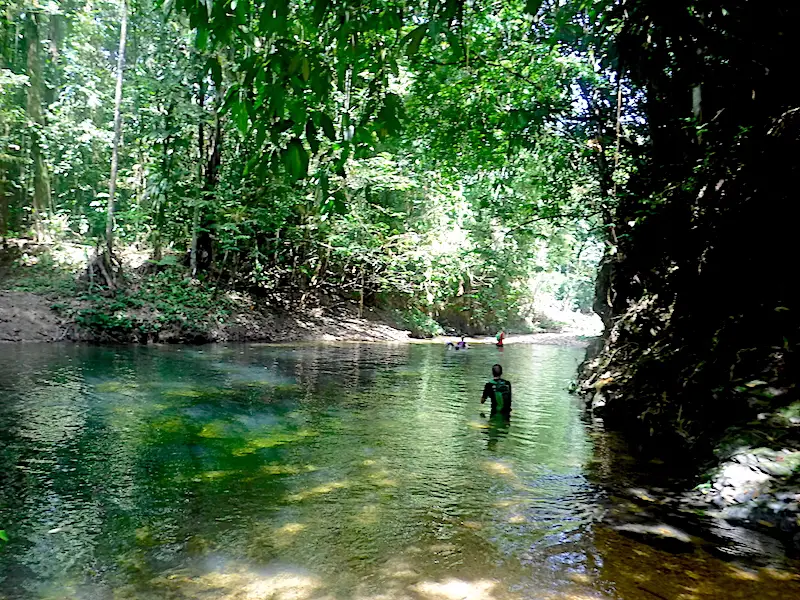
(319, 471)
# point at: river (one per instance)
(364, 471)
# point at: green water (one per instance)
(253, 472)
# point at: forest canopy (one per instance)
(453, 160)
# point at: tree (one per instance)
(112, 182)
(41, 177)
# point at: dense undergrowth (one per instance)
(147, 305)
(158, 301)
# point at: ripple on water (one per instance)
(319, 471)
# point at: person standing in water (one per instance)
(498, 390)
(500, 337)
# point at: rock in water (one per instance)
(658, 534)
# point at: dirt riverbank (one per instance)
(31, 317)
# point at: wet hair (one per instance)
(497, 370)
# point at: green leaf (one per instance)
(231, 97)
(305, 69)
(311, 136)
(324, 185)
(261, 136)
(273, 18)
(239, 114)
(242, 9)
(216, 71)
(294, 64)
(295, 158)
(3, 535)
(320, 8)
(338, 166)
(201, 38)
(414, 39)
(532, 6)
(327, 127)
(392, 19)
(278, 101)
(339, 202)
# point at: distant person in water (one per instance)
(501, 335)
(498, 390)
(462, 345)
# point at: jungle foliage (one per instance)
(450, 160)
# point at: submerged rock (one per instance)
(660, 534)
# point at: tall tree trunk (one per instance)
(4, 212)
(112, 182)
(166, 164)
(41, 179)
(4, 208)
(205, 242)
(210, 159)
(201, 142)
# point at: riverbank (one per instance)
(32, 317)
(747, 475)
(47, 295)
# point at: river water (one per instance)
(364, 471)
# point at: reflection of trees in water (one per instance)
(367, 463)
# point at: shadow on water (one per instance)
(366, 471)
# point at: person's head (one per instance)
(497, 371)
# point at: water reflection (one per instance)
(496, 430)
(319, 471)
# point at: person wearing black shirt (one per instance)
(498, 390)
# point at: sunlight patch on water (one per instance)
(498, 468)
(278, 469)
(237, 583)
(115, 387)
(319, 490)
(456, 589)
(286, 534)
